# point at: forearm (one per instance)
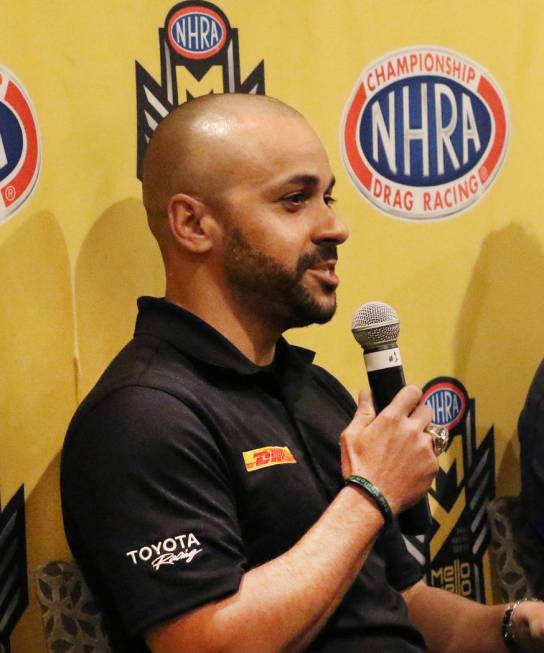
(283, 604)
(453, 624)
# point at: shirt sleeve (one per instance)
(149, 508)
(401, 568)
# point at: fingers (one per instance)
(406, 401)
(365, 409)
(364, 415)
(422, 415)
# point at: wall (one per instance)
(76, 255)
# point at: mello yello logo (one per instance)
(424, 133)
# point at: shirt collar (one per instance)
(194, 337)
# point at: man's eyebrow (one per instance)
(308, 180)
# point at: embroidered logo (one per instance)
(168, 551)
(266, 457)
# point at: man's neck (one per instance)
(241, 327)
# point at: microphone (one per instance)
(376, 327)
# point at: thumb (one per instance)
(365, 413)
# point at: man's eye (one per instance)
(296, 199)
(330, 200)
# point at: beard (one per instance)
(271, 290)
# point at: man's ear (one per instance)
(190, 223)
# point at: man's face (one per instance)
(276, 290)
(280, 232)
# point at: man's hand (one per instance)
(528, 626)
(453, 624)
(391, 450)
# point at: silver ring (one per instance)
(440, 436)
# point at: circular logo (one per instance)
(197, 32)
(19, 145)
(424, 133)
(448, 402)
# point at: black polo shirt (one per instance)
(531, 436)
(187, 465)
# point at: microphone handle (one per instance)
(385, 384)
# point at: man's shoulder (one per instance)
(536, 391)
(138, 412)
(530, 418)
(146, 374)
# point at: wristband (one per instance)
(372, 490)
(506, 626)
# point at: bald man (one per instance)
(202, 481)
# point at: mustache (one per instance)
(322, 252)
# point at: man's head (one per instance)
(239, 186)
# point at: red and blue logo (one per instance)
(424, 133)
(197, 30)
(19, 145)
(448, 399)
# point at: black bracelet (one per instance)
(506, 626)
(506, 629)
(372, 491)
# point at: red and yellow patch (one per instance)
(266, 457)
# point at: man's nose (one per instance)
(331, 228)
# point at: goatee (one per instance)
(275, 292)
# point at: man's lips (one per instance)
(325, 272)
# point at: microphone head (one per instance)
(374, 324)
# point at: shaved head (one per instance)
(197, 148)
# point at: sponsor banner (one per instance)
(454, 549)
(13, 573)
(198, 39)
(267, 457)
(19, 145)
(424, 133)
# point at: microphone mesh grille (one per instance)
(375, 323)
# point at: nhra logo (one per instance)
(19, 145)
(424, 133)
(197, 31)
(196, 37)
(448, 401)
(454, 549)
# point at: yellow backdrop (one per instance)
(76, 256)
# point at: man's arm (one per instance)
(283, 604)
(280, 604)
(452, 624)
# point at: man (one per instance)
(202, 479)
(531, 527)
(531, 436)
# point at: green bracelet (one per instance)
(373, 491)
